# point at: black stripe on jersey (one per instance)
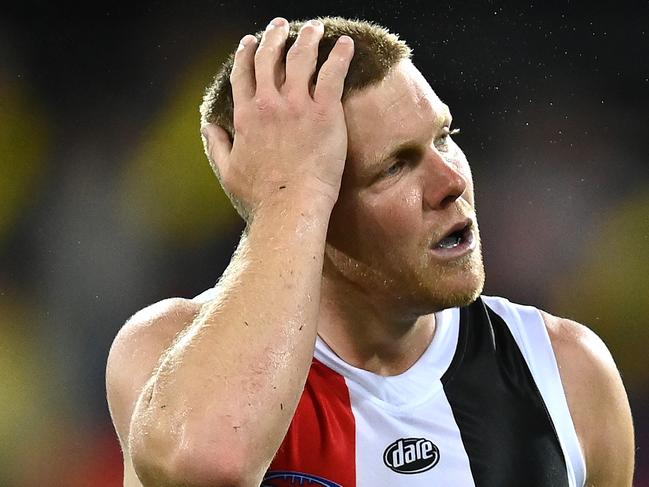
(505, 427)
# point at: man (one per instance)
(347, 343)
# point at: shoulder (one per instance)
(597, 400)
(136, 351)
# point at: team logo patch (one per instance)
(286, 478)
(411, 455)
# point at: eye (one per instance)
(442, 143)
(399, 162)
(394, 169)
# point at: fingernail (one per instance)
(276, 22)
(245, 41)
(345, 40)
(315, 23)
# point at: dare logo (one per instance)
(411, 455)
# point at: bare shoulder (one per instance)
(136, 352)
(597, 400)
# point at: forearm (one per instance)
(223, 397)
(229, 386)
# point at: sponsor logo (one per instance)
(411, 455)
(286, 478)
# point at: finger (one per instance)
(302, 57)
(267, 57)
(242, 77)
(331, 78)
(217, 146)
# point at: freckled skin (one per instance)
(380, 232)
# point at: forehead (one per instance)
(401, 108)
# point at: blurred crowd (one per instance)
(108, 203)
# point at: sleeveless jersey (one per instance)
(483, 406)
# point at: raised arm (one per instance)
(216, 409)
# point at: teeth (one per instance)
(449, 242)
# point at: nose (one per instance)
(444, 181)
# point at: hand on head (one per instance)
(290, 138)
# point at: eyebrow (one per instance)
(409, 145)
(404, 148)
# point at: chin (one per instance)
(457, 287)
(458, 298)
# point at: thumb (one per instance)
(217, 145)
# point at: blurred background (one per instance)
(108, 205)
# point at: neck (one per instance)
(366, 333)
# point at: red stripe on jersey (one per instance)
(321, 441)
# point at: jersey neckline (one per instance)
(415, 385)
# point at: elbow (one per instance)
(193, 466)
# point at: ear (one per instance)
(218, 146)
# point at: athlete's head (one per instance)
(404, 227)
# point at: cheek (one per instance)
(396, 216)
(371, 226)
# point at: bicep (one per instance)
(598, 402)
(134, 357)
(130, 477)
(123, 387)
(612, 446)
(128, 369)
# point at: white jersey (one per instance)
(483, 406)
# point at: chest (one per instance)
(483, 407)
(489, 436)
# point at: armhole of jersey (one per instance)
(206, 295)
(528, 328)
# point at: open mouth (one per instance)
(457, 236)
